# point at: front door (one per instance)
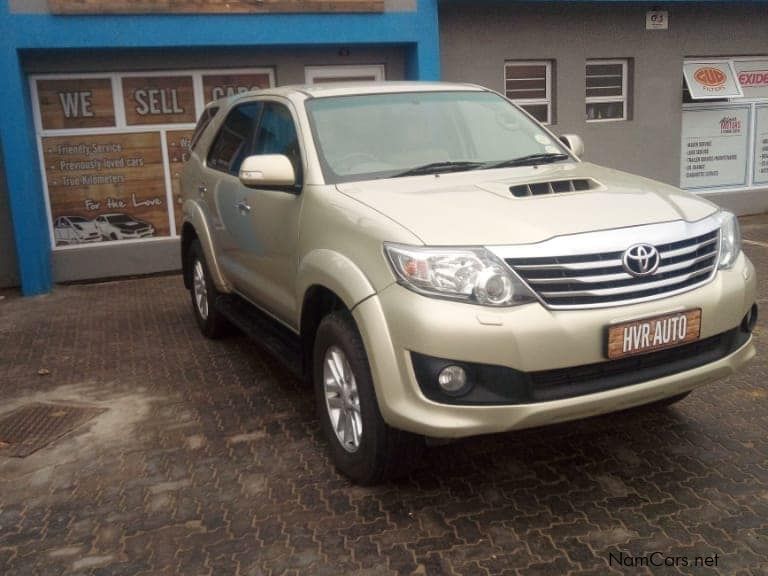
(257, 228)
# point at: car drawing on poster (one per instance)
(69, 230)
(123, 227)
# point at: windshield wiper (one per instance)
(438, 167)
(530, 160)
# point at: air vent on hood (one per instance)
(553, 187)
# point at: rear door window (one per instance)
(235, 138)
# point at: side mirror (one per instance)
(574, 143)
(267, 170)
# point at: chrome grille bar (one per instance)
(590, 278)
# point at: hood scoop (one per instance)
(554, 187)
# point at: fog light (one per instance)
(452, 379)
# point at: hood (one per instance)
(478, 208)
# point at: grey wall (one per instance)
(112, 260)
(476, 39)
(8, 270)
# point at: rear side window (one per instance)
(202, 124)
(234, 139)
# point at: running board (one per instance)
(268, 333)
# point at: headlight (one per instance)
(730, 239)
(468, 274)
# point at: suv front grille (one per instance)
(600, 279)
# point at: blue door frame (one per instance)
(416, 30)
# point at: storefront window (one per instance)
(112, 146)
(725, 124)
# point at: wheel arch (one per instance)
(328, 281)
(196, 227)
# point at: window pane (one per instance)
(604, 69)
(232, 142)
(598, 92)
(277, 135)
(526, 71)
(538, 111)
(605, 111)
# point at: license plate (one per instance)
(651, 334)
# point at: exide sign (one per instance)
(753, 78)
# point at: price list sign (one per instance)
(761, 145)
(715, 147)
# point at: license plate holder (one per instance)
(652, 334)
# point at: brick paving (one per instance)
(209, 460)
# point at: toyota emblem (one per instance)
(641, 259)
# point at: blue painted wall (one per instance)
(417, 31)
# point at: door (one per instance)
(272, 217)
(346, 73)
(220, 188)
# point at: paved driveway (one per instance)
(208, 460)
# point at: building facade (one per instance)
(101, 97)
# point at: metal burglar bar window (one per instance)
(529, 84)
(606, 90)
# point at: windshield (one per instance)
(389, 135)
(77, 219)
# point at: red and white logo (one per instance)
(710, 78)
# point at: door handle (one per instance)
(202, 190)
(243, 207)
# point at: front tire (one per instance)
(203, 293)
(363, 447)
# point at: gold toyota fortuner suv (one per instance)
(438, 264)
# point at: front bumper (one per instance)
(530, 338)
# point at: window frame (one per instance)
(623, 99)
(548, 99)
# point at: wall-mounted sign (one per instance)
(223, 85)
(656, 20)
(106, 187)
(159, 100)
(753, 77)
(211, 6)
(75, 103)
(112, 169)
(178, 142)
(715, 144)
(708, 80)
(760, 175)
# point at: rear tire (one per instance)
(203, 292)
(362, 446)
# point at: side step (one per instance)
(275, 338)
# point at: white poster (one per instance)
(761, 145)
(753, 77)
(715, 144)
